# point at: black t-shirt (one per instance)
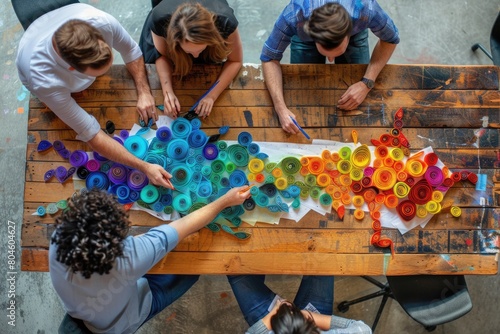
(225, 21)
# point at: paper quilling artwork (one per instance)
(382, 179)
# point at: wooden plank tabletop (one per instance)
(453, 109)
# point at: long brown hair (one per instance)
(82, 46)
(195, 24)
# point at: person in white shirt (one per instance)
(63, 51)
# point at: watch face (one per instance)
(369, 83)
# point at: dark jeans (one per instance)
(27, 11)
(357, 52)
(254, 297)
(166, 289)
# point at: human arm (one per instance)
(357, 92)
(145, 99)
(229, 71)
(273, 78)
(114, 151)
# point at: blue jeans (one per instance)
(254, 297)
(166, 289)
(27, 11)
(357, 52)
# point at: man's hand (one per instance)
(204, 107)
(146, 107)
(158, 176)
(236, 196)
(286, 122)
(171, 105)
(353, 96)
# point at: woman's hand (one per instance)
(171, 105)
(204, 107)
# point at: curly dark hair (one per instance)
(289, 319)
(89, 233)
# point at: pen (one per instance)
(300, 128)
(204, 94)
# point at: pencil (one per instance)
(300, 128)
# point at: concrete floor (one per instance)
(432, 32)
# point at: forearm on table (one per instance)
(273, 77)
(164, 70)
(380, 57)
(114, 151)
(229, 72)
(137, 69)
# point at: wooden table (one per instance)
(453, 109)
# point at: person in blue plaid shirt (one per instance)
(336, 30)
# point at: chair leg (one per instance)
(479, 46)
(381, 308)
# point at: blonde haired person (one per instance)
(178, 33)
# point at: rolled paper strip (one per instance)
(221, 145)
(375, 215)
(366, 182)
(204, 189)
(398, 166)
(326, 155)
(385, 139)
(157, 146)
(401, 189)
(136, 145)
(335, 156)
(255, 166)
(254, 191)
(310, 180)
(345, 153)
(291, 165)
(356, 174)
(354, 135)
(268, 189)
(123, 192)
(249, 204)
(345, 180)
(168, 209)
(182, 203)
(230, 167)
(315, 192)
(407, 210)
(238, 155)
(421, 192)
(133, 195)
(197, 177)
(223, 129)
(384, 178)
(330, 166)
(377, 163)
(323, 180)
(304, 193)
(421, 211)
(399, 114)
(294, 191)
(410, 181)
(222, 155)
(358, 201)
(341, 212)
(197, 138)
(218, 166)
(158, 207)
(49, 175)
(224, 182)
(395, 142)
(396, 154)
(82, 172)
(181, 128)
(304, 171)
(446, 171)
(41, 211)
(118, 139)
(456, 176)
(473, 178)
(375, 142)
(43, 145)
(359, 214)
(380, 198)
(402, 176)
(97, 180)
(368, 171)
(164, 134)
(281, 183)
(117, 173)
(124, 134)
(415, 167)
(344, 166)
(372, 206)
(58, 145)
(277, 172)
(369, 195)
(181, 176)
(437, 196)
(206, 170)
(405, 144)
(62, 204)
(191, 161)
(149, 194)
(316, 165)
(259, 177)
(52, 208)
(456, 211)
(304, 161)
(253, 148)
(156, 159)
(196, 123)
(376, 225)
(398, 124)
(381, 152)
(99, 157)
(325, 199)
(64, 153)
(431, 159)
(261, 200)
(61, 173)
(346, 199)
(448, 182)
(391, 201)
(237, 179)
(434, 176)
(244, 138)
(388, 161)
(361, 156)
(432, 207)
(136, 180)
(178, 149)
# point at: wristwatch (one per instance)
(369, 83)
